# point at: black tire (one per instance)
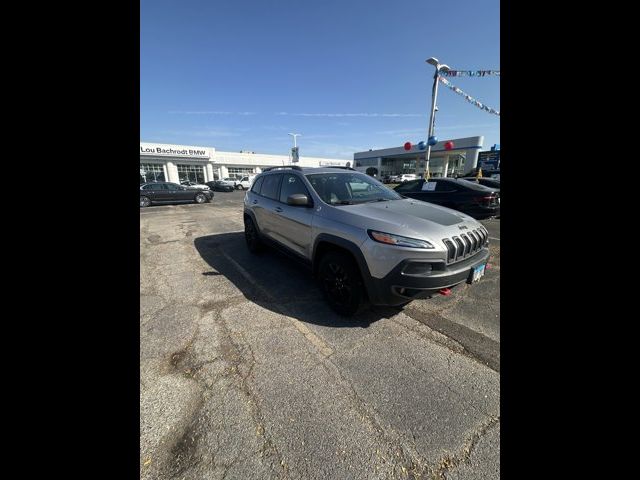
(252, 236)
(200, 198)
(341, 283)
(144, 202)
(240, 187)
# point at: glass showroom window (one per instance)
(151, 172)
(191, 173)
(238, 172)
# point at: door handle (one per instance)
(278, 209)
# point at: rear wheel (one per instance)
(144, 202)
(252, 236)
(240, 187)
(341, 283)
(200, 198)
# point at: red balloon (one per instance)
(407, 146)
(448, 145)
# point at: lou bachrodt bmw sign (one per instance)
(164, 150)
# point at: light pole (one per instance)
(434, 96)
(295, 144)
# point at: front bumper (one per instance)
(399, 287)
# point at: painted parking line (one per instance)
(492, 238)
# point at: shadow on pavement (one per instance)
(276, 282)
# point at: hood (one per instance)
(408, 217)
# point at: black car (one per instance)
(467, 197)
(487, 182)
(167, 192)
(218, 186)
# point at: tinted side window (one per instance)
(256, 185)
(292, 184)
(148, 187)
(411, 186)
(270, 186)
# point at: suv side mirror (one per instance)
(299, 200)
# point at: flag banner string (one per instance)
(470, 73)
(468, 98)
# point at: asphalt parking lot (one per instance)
(246, 373)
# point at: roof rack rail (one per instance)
(344, 168)
(295, 167)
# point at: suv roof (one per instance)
(305, 170)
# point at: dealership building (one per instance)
(461, 158)
(160, 162)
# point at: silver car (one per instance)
(364, 242)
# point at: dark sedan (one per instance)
(219, 186)
(167, 192)
(467, 197)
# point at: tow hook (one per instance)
(445, 291)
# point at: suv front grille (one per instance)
(465, 245)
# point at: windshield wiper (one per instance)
(378, 200)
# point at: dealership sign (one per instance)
(163, 150)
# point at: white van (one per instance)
(245, 182)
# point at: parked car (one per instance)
(231, 181)
(194, 185)
(487, 182)
(364, 242)
(167, 192)
(406, 177)
(245, 182)
(220, 186)
(468, 197)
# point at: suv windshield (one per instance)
(349, 188)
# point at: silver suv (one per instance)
(364, 242)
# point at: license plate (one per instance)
(477, 273)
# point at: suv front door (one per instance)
(292, 224)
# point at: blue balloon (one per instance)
(422, 145)
(433, 141)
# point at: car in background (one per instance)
(194, 186)
(487, 182)
(245, 182)
(230, 181)
(220, 186)
(168, 192)
(467, 197)
(407, 177)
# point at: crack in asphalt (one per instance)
(449, 462)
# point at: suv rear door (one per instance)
(266, 204)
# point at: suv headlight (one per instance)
(397, 240)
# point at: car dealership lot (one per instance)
(247, 373)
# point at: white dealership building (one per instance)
(460, 158)
(178, 163)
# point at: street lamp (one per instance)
(295, 144)
(434, 96)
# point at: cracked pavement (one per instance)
(247, 374)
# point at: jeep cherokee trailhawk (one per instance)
(365, 243)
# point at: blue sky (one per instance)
(348, 75)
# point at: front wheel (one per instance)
(341, 283)
(144, 202)
(200, 198)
